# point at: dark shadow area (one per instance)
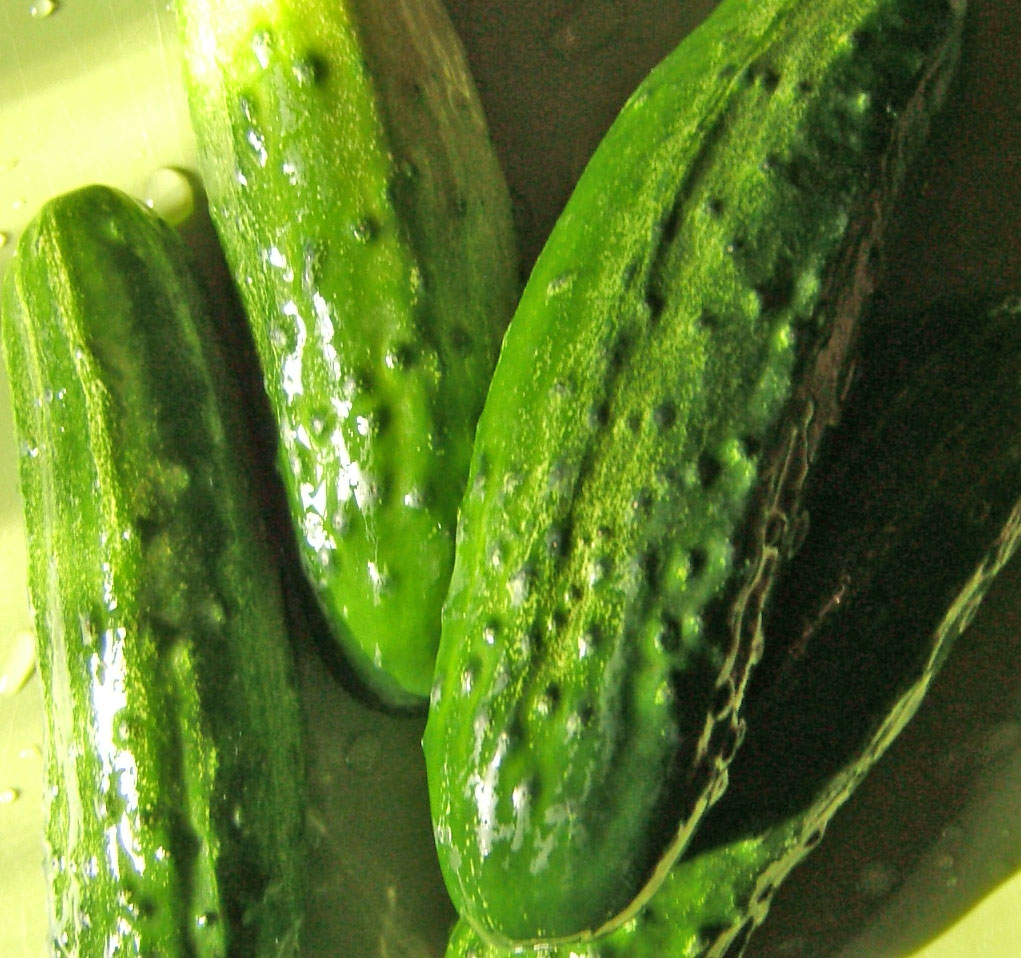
(955, 235)
(913, 802)
(910, 494)
(552, 75)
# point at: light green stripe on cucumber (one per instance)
(367, 224)
(675, 359)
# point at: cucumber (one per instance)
(677, 354)
(173, 743)
(918, 498)
(367, 225)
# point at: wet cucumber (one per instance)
(918, 495)
(674, 361)
(367, 225)
(174, 770)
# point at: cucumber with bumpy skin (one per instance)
(676, 357)
(367, 224)
(918, 506)
(174, 765)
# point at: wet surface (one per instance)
(930, 832)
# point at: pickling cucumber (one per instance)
(918, 498)
(367, 225)
(676, 357)
(174, 809)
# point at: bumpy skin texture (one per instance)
(367, 225)
(174, 769)
(918, 498)
(676, 357)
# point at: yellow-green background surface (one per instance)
(926, 859)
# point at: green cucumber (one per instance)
(918, 498)
(174, 765)
(367, 225)
(676, 357)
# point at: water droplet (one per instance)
(588, 28)
(248, 108)
(638, 99)
(169, 192)
(4, 238)
(313, 258)
(489, 634)
(468, 678)
(171, 481)
(363, 752)
(525, 646)
(480, 724)
(579, 718)
(518, 586)
(123, 731)
(278, 336)
(668, 636)
(309, 70)
(20, 664)
(213, 613)
(665, 415)
(378, 577)
(258, 144)
(262, 46)
(365, 230)
(557, 540)
(8, 796)
(598, 570)
(953, 834)
(276, 259)
(599, 415)
(31, 753)
(547, 702)
(207, 919)
(559, 284)
(40, 9)
(521, 796)
(562, 389)
(877, 880)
